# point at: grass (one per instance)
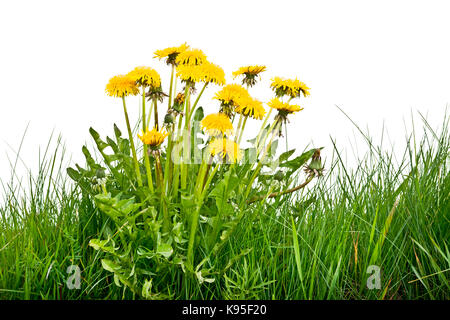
(317, 244)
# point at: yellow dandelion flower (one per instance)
(226, 149)
(191, 57)
(213, 73)
(283, 106)
(250, 107)
(121, 86)
(170, 53)
(217, 124)
(250, 73)
(290, 87)
(251, 70)
(145, 76)
(230, 94)
(153, 138)
(189, 73)
(206, 72)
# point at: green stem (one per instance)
(168, 164)
(203, 174)
(260, 163)
(195, 217)
(211, 158)
(148, 169)
(196, 100)
(261, 144)
(176, 171)
(263, 126)
(155, 105)
(242, 130)
(186, 139)
(285, 135)
(199, 181)
(276, 194)
(168, 168)
(144, 126)
(170, 88)
(146, 159)
(238, 128)
(163, 204)
(149, 114)
(176, 179)
(133, 149)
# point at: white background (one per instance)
(379, 61)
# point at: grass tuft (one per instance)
(314, 244)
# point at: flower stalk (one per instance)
(171, 87)
(168, 168)
(242, 131)
(133, 149)
(263, 126)
(277, 194)
(273, 129)
(195, 217)
(196, 100)
(155, 106)
(145, 149)
(238, 130)
(186, 139)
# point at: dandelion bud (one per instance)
(316, 161)
(315, 166)
(168, 119)
(100, 173)
(178, 103)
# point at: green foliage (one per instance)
(140, 243)
(316, 244)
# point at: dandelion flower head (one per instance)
(153, 138)
(191, 57)
(250, 74)
(206, 72)
(230, 94)
(226, 149)
(284, 106)
(289, 87)
(217, 124)
(170, 53)
(146, 77)
(121, 86)
(250, 107)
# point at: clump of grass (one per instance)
(394, 215)
(44, 224)
(314, 245)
